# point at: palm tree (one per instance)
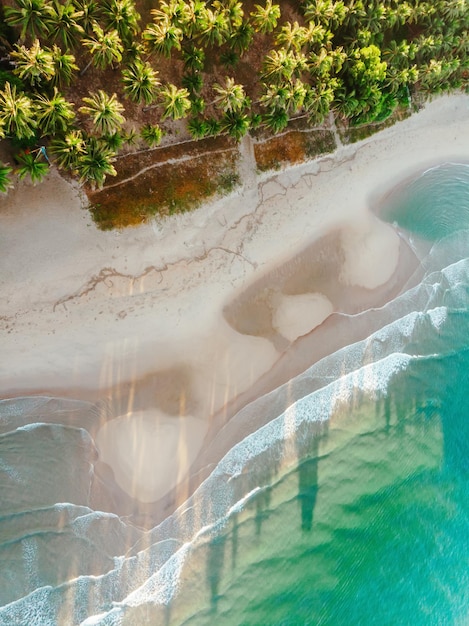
(241, 38)
(33, 64)
(193, 18)
(264, 19)
(275, 96)
(454, 10)
(233, 10)
(151, 135)
(121, 15)
(162, 37)
(176, 102)
(62, 22)
(90, 13)
(64, 66)
(276, 119)
(105, 48)
(96, 162)
(292, 36)
(326, 12)
(193, 82)
(29, 15)
(197, 105)
(114, 141)
(231, 96)
(198, 128)
(318, 101)
(397, 78)
(17, 113)
(5, 181)
(140, 82)
(213, 126)
(105, 111)
(54, 114)
(68, 149)
(215, 28)
(235, 124)
(283, 64)
(29, 165)
(194, 58)
(176, 12)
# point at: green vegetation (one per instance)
(87, 79)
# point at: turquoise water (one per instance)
(349, 507)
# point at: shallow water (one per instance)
(349, 507)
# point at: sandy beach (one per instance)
(172, 327)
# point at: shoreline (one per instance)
(109, 315)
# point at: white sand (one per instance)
(89, 309)
(298, 315)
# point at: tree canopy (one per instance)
(215, 64)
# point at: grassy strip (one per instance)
(164, 189)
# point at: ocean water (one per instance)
(350, 506)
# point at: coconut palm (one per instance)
(176, 102)
(265, 19)
(235, 124)
(318, 35)
(399, 54)
(197, 105)
(105, 112)
(231, 96)
(5, 181)
(96, 162)
(63, 23)
(90, 13)
(54, 113)
(114, 141)
(198, 128)
(397, 78)
(233, 10)
(215, 28)
(318, 101)
(30, 165)
(151, 135)
(454, 10)
(162, 37)
(326, 12)
(193, 18)
(194, 58)
(68, 149)
(122, 16)
(292, 36)
(241, 38)
(193, 82)
(283, 64)
(64, 66)
(276, 119)
(29, 15)
(34, 64)
(296, 96)
(17, 113)
(275, 96)
(105, 47)
(176, 12)
(140, 82)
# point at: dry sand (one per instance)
(178, 324)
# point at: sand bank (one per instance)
(193, 317)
